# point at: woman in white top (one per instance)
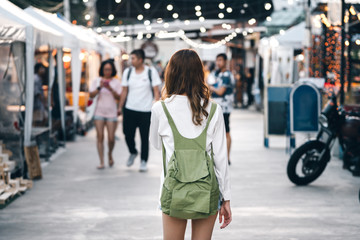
(187, 99)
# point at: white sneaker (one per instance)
(143, 167)
(131, 159)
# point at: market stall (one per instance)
(27, 35)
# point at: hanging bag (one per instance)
(190, 189)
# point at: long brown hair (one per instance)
(184, 74)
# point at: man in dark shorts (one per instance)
(223, 93)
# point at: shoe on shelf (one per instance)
(143, 166)
(131, 159)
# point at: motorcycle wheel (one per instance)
(311, 167)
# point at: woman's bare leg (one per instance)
(111, 128)
(99, 125)
(202, 228)
(174, 228)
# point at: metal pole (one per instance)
(67, 10)
(342, 65)
(307, 39)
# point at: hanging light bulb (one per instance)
(186, 22)
(170, 7)
(221, 5)
(229, 10)
(118, 1)
(140, 17)
(197, 8)
(198, 13)
(201, 19)
(202, 29)
(175, 15)
(111, 17)
(267, 6)
(147, 22)
(221, 15)
(147, 5)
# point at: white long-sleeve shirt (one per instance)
(180, 110)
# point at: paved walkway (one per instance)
(75, 201)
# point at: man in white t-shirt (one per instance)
(140, 87)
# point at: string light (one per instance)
(140, 17)
(229, 10)
(352, 10)
(201, 19)
(252, 21)
(118, 1)
(221, 15)
(87, 17)
(268, 18)
(111, 17)
(175, 15)
(198, 13)
(147, 5)
(221, 5)
(267, 6)
(325, 20)
(198, 8)
(170, 7)
(146, 22)
(202, 29)
(187, 22)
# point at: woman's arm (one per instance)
(95, 92)
(220, 155)
(114, 93)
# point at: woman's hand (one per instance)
(225, 216)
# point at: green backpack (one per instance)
(190, 189)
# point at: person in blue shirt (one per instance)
(222, 92)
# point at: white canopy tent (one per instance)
(276, 46)
(36, 35)
(75, 41)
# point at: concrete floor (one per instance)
(75, 201)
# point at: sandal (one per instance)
(100, 167)
(111, 163)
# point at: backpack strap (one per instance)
(211, 115)
(170, 120)
(164, 157)
(128, 75)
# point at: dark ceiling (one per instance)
(128, 10)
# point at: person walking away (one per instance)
(195, 182)
(223, 93)
(107, 90)
(140, 87)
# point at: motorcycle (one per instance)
(309, 161)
